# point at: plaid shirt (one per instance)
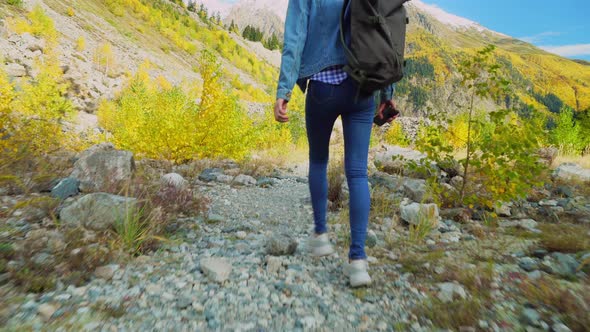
(332, 75)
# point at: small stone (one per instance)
(273, 264)
(531, 317)
(528, 224)
(439, 270)
(224, 178)
(241, 235)
(174, 180)
(448, 291)
(244, 180)
(308, 322)
(216, 269)
(467, 329)
(67, 187)
(560, 327)
(46, 310)
(535, 275)
(503, 209)
(540, 253)
(528, 264)
(451, 237)
(198, 307)
(210, 174)
(265, 182)
(483, 324)
(184, 302)
(213, 218)
(280, 245)
(106, 272)
(43, 259)
(548, 202)
(565, 191)
(371, 239)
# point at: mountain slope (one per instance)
(130, 33)
(244, 14)
(440, 40)
(535, 73)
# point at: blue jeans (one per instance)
(323, 105)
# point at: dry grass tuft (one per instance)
(336, 180)
(583, 161)
(572, 306)
(568, 238)
(383, 204)
(454, 315)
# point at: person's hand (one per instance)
(382, 108)
(281, 110)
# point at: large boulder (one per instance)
(570, 171)
(397, 160)
(102, 168)
(396, 156)
(415, 189)
(416, 213)
(98, 211)
(65, 188)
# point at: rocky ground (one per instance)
(241, 265)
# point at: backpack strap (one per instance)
(351, 57)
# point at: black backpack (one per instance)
(377, 33)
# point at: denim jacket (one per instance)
(312, 43)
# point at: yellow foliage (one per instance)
(80, 44)
(163, 83)
(71, 11)
(104, 57)
(395, 135)
(457, 132)
(31, 116)
(38, 24)
(166, 123)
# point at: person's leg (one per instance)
(357, 123)
(319, 120)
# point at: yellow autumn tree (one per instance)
(156, 120)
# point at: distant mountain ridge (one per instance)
(246, 13)
(439, 39)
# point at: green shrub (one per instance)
(18, 3)
(567, 134)
(500, 162)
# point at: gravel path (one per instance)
(168, 291)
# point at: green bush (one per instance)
(18, 3)
(567, 134)
(500, 162)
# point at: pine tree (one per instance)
(192, 6)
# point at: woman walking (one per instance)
(313, 57)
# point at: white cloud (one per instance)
(540, 37)
(568, 50)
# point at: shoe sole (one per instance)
(322, 251)
(360, 281)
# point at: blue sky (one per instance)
(562, 27)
